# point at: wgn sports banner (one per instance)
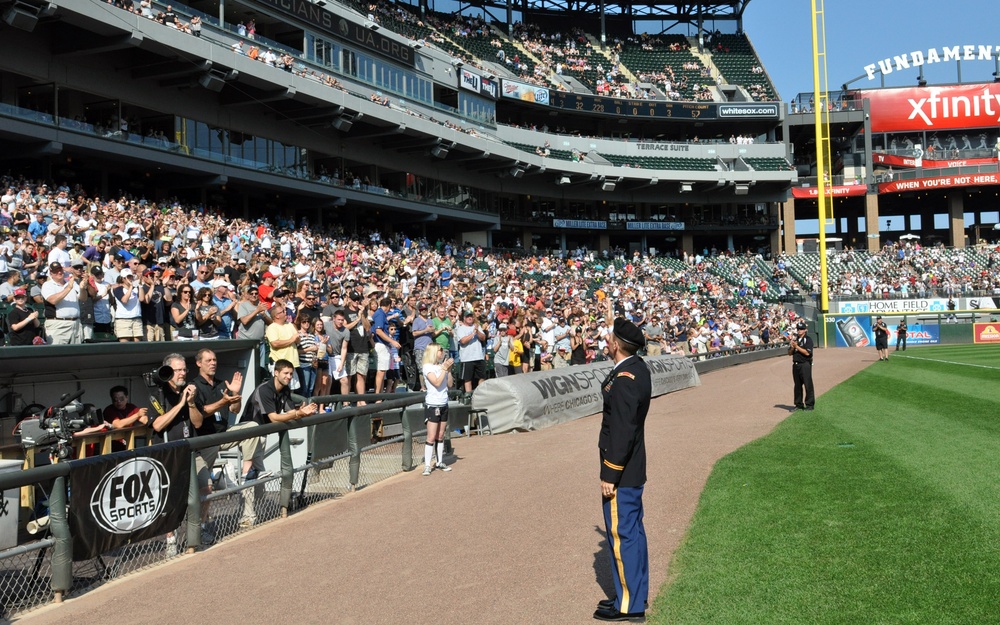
(539, 399)
(127, 497)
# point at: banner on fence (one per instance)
(988, 333)
(127, 497)
(855, 331)
(536, 400)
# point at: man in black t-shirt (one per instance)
(22, 321)
(271, 402)
(215, 399)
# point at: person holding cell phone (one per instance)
(437, 380)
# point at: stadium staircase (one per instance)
(512, 47)
(623, 72)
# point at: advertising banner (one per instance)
(929, 163)
(939, 182)
(654, 225)
(539, 399)
(589, 224)
(857, 332)
(952, 107)
(469, 80)
(127, 497)
(525, 92)
(988, 333)
(847, 190)
(890, 306)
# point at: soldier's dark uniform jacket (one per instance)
(622, 441)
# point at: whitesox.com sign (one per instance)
(131, 496)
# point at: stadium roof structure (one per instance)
(679, 11)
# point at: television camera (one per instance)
(56, 425)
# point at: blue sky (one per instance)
(860, 32)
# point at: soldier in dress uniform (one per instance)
(626, 392)
(801, 351)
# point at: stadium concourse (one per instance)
(512, 535)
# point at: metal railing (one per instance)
(36, 572)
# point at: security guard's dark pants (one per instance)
(900, 338)
(802, 376)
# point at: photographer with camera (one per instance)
(128, 313)
(881, 338)
(801, 350)
(179, 399)
(155, 298)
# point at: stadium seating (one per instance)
(768, 164)
(662, 162)
(642, 62)
(735, 58)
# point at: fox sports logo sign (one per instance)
(131, 497)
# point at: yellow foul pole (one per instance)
(821, 112)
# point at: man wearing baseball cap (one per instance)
(23, 321)
(626, 392)
(881, 338)
(801, 351)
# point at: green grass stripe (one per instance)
(878, 507)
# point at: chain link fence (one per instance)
(25, 577)
(233, 508)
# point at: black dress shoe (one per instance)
(611, 614)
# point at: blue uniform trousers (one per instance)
(627, 544)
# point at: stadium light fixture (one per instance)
(607, 186)
(687, 187)
(565, 180)
(742, 188)
(372, 25)
(517, 171)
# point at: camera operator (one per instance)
(178, 396)
(801, 350)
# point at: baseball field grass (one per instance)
(881, 506)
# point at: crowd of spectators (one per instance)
(125, 268)
(904, 269)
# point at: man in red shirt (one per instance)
(123, 414)
(266, 290)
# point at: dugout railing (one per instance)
(40, 567)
